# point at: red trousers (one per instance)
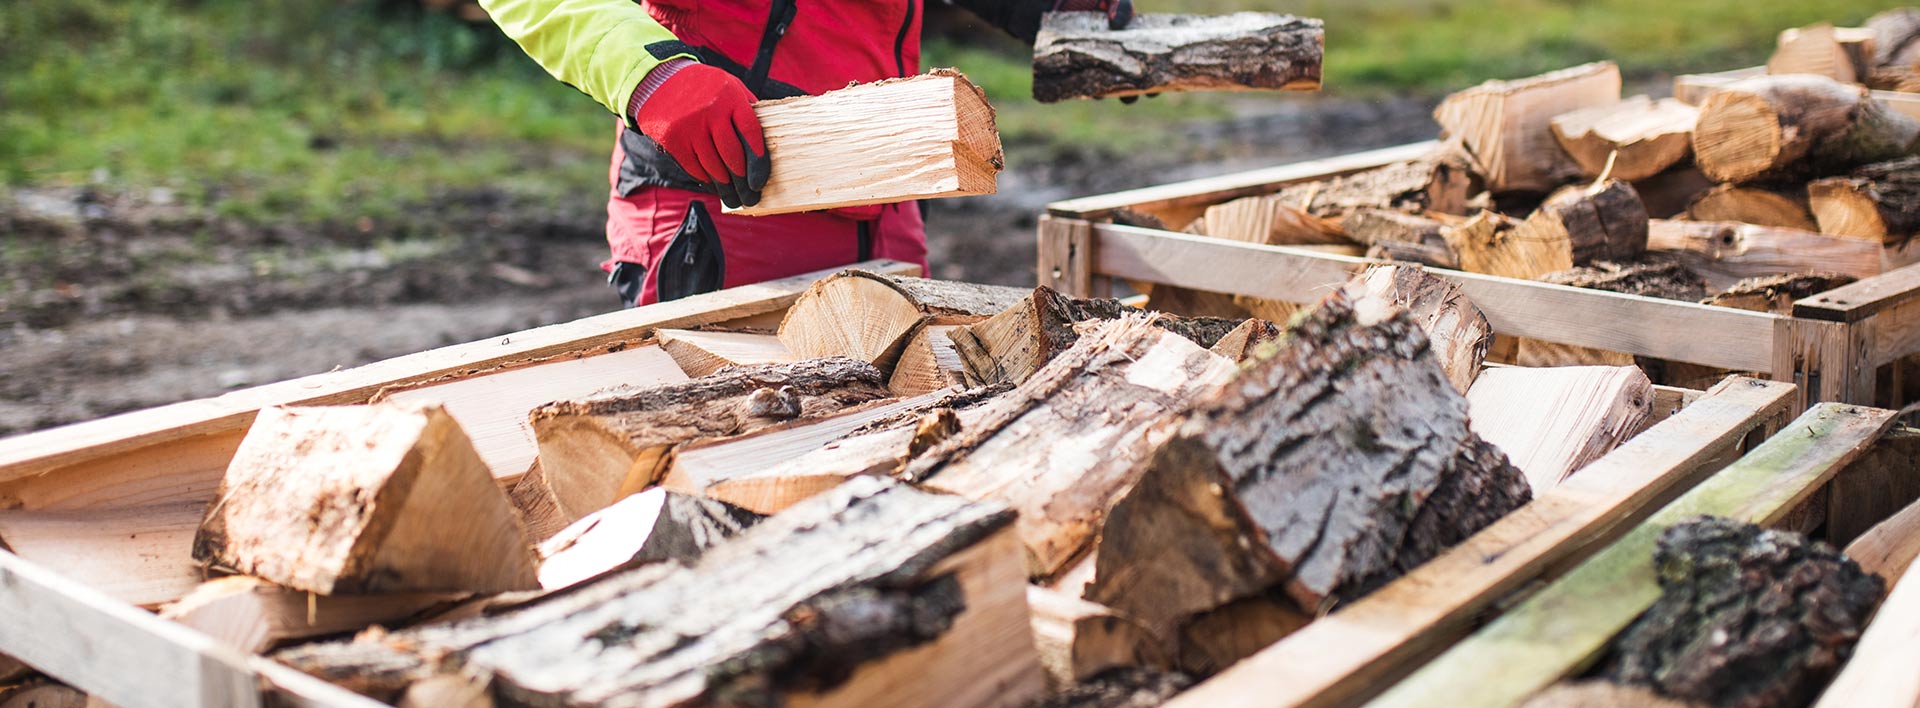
(640, 227)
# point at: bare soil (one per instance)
(115, 302)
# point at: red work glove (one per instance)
(1119, 12)
(703, 117)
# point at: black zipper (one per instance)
(900, 40)
(779, 18)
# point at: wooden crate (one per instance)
(1833, 345)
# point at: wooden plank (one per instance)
(1566, 625)
(1888, 549)
(1066, 257)
(1210, 190)
(140, 556)
(1358, 650)
(1881, 673)
(1667, 329)
(492, 407)
(49, 450)
(889, 141)
(1695, 88)
(1874, 488)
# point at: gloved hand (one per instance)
(1119, 12)
(703, 117)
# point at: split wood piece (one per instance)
(1894, 32)
(1561, 628)
(1079, 640)
(774, 468)
(1879, 202)
(1494, 244)
(1638, 137)
(253, 615)
(881, 452)
(1422, 254)
(1842, 54)
(652, 526)
(1554, 422)
(596, 450)
(1269, 219)
(1008, 347)
(1362, 648)
(1440, 183)
(1507, 125)
(928, 363)
(1902, 79)
(1655, 275)
(140, 556)
(1457, 332)
(867, 316)
(1243, 341)
(890, 141)
(1794, 127)
(1600, 694)
(1724, 253)
(1239, 513)
(701, 353)
(1601, 221)
(1760, 206)
(540, 513)
(491, 406)
(1746, 617)
(1880, 674)
(1386, 227)
(1776, 293)
(46, 693)
(1668, 194)
(1077, 56)
(1066, 443)
(1890, 547)
(364, 499)
(873, 594)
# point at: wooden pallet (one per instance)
(1833, 346)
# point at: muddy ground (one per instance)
(114, 302)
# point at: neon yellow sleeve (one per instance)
(596, 46)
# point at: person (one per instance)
(682, 76)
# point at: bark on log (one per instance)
(701, 353)
(1506, 125)
(1603, 221)
(1457, 332)
(1008, 347)
(1438, 183)
(1656, 276)
(868, 316)
(1796, 127)
(928, 363)
(364, 499)
(1879, 202)
(650, 527)
(1077, 56)
(873, 594)
(596, 450)
(1638, 137)
(1894, 32)
(1761, 206)
(1121, 688)
(896, 140)
(1552, 422)
(1724, 253)
(1424, 254)
(1776, 293)
(1315, 475)
(1066, 443)
(1244, 340)
(1746, 617)
(253, 615)
(1375, 227)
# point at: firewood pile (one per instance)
(915, 492)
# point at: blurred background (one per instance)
(200, 195)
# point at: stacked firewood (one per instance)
(917, 492)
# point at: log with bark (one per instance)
(1070, 439)
(1457, 332)
(1376, 227)
(1724, 253)
(1507, 125)
(596, 450)
(1796, 127)
(1784, 208)
(253, 615)
(869, 317)
(1657, 275)
(1776, 293)
(1746, 617)
(1638, 137)
(890, 141)
(1553, 421)
(1316, 475)
(1077, 56)
(701, 353)
(1439, 183)
(1008, 347)
(1601, 221)
(1878, 202)
(873, 594)
(364, 499)
(652, 526)
(1894, 32)
(1844, 54)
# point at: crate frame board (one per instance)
(126, 655)
(1832, 345)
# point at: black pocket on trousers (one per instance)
(693, 263)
